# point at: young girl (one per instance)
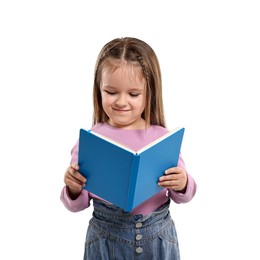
(128, 108)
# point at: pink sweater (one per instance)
(134, 139)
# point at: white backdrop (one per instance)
(209, 55)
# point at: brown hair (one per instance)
(132, 51)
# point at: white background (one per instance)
(210, 61)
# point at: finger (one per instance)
(74, 176)
(167, 183)
(71, 181)
(75, 166)
(73, 184)
(168, 177)
(172, 170)
(74, 179)
(170, 185)
(72, 170)
(74, 173)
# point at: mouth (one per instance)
(120, 110)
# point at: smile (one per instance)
(121, 110)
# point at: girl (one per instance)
(128, 108)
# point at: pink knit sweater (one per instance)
(134, 139)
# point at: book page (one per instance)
(113, 142)
(158, 140)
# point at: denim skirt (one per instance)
(114, 234)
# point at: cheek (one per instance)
(106, 101)
(142, 104)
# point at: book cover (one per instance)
(122, 176)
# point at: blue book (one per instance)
(122, 176)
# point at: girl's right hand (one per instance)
(74, 181)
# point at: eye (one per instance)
(110, 92)
(134, 94)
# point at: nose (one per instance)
(121, 100)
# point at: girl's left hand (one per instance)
(175, 178)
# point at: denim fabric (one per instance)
(114, 235)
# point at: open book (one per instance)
(122, 176)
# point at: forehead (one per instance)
(123, 70)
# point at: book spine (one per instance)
(132, 183)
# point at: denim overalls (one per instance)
(114, 234)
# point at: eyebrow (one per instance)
(131, 89)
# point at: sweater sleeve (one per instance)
(79, 204)
(191, 187)
(83, 200)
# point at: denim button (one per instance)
(138, 225)
(139, 250)
(138, 237)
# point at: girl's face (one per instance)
(123, 97)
